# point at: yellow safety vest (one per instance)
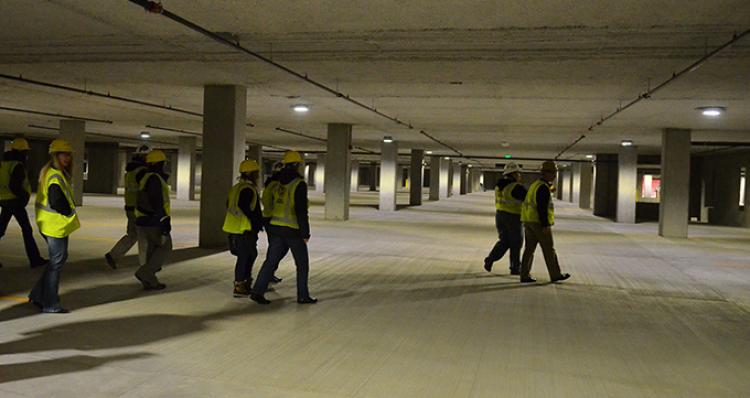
(6, 171)
(504, 200)
(267, 198)
(236, 222)
(50, 222)
(529, 213)
(143, 208)
(282, 211)
(132, 187)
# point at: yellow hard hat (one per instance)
(248, 166)
(60, 145)
(292, 157)
(156, 156)
(20, 144)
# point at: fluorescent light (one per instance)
(626, 143)
(301, 108)
(447, 158)
(145, 135)
(712, 111)
(387, 139)
(589, 156)
(428, 152)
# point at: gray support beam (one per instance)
(172, 157)
(576, 179)
(338, 175)
(435, 166)
(355, 176)
(746, 212)
(103, 172)
(456, 178)
(627, 172)
(74, 131)
(416, 172)
(464, 180)
(186, 168)
(674, 212)
(224, 109)
(389, 175)
(373, 177)
(320, 173)
(585, 185)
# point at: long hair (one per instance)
(54, 162)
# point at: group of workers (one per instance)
(522, 212)
(281, 210)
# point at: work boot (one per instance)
(148, 286)
(487, 265)
(561, 278)
(110, 261)
(242, 288)
(528, 279)
(258, 298)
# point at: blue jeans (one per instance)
(278, 247)
(510, 236)
(245, 247)
(46, 288)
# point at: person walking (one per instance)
(509, 196)
(134, 170)
(243, 222)
(15, 192)
(288, 229)
(538, 217)
(152, 212)
(56, 218)
(267, 199)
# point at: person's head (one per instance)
(61, 158)
(549, 171)
(249, 170)
(156, 159)
(140, 153)
(293, 160)
(277, 167)
(21, 147)
(512, 170)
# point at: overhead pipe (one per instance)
(649, 92)
(157, 8)
(103, 135)
(57, 115)
(107, 95)
(197, 134)
(312, 137)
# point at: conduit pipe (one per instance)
(649, 92)
(57, 115)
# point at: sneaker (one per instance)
(528, 279)
(55, 310)
(561, 278)
(307, 300)
(110, 261)
(258, 298)
(148, 286)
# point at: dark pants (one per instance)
(278, 247)
(245, 247)
(19, 213)
(535, 234)
(510, 236)
(45, 292)
(158, 248)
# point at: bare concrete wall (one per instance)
(721, 174)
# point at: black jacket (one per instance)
(518, 193)
(543, 197)
(300, 208)
(16, 179)
(57, 201)
(152, 195)
(254, 215)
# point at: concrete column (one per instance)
(74, 131)
(674, 212)
(338, 171)
(456, 180)
(746, 212)
(373, 177)
(103, 173)
(627, 172)
(122, 161)
(389, 175)
(416, 172)
(439, 177)
(464, 181)
(224, 114)
(355, 176)
(172, 167)
(585, 185)
(320, 173)
(186, 168)
(576, 180)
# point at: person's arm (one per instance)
(542, 204)
(256, 217)
(16, 184)
(300, 209)
(155, 198)
(57, 201)
(519, 192)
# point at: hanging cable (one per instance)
(58, 115)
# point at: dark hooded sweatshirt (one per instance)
(16, 179)
(300, 208)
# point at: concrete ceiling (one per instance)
(474, 74)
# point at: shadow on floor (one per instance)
(51, 367)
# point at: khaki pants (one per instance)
(535, 234)
(128, 241)
(158, 249)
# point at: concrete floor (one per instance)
(406, 311)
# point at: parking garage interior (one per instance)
(406, 114)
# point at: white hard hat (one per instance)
(143, 150)
(510, 168)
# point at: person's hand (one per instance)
(306, 240)
(547, 230)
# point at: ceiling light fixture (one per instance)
(301, 108)
(387, 139)
(626, 143)
(428, 152)
(447, 158)
(589, 156)
(145, 135)
(712, 111)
